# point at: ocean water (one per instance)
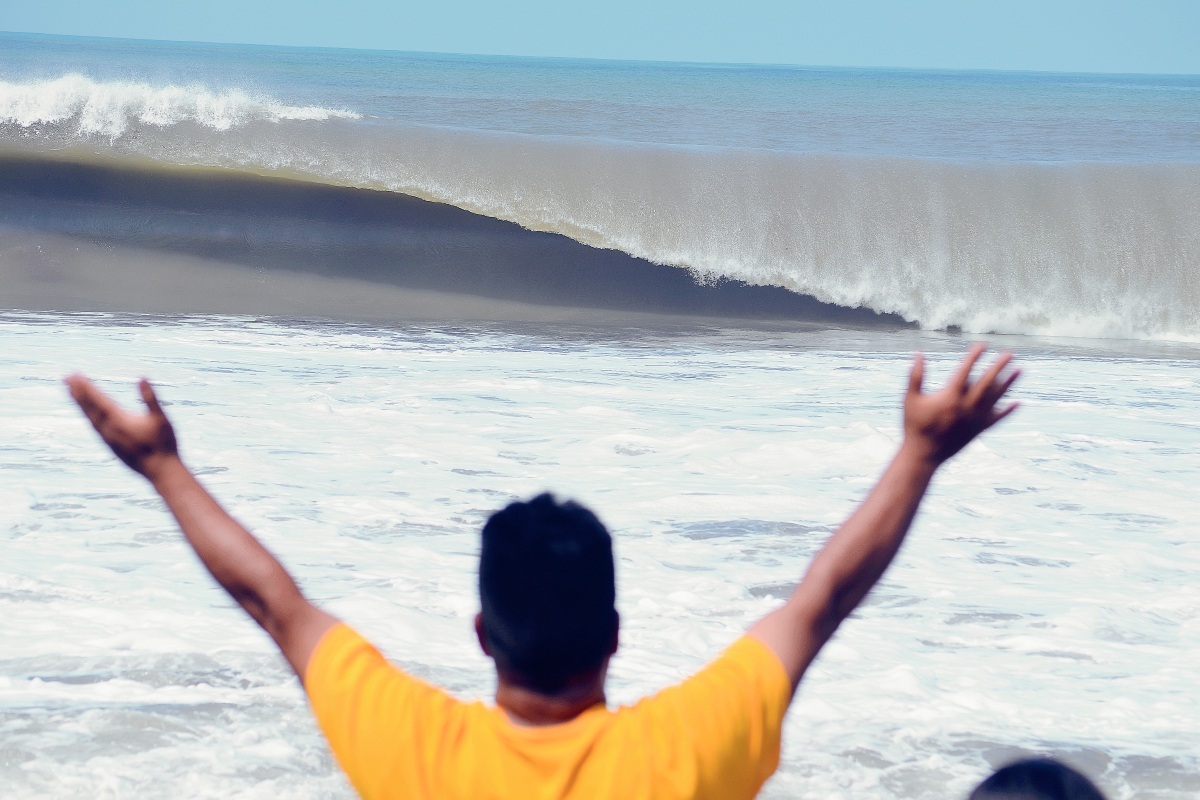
(649, 287)
(1045, 602)
(1013, 203)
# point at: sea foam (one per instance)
(1046, 599)
(107, 109)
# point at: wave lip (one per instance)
(109, 108)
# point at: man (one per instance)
(549, 622)
(1036, 779)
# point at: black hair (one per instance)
(1036, 779)
(548, 589)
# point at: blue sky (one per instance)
(1060, 35)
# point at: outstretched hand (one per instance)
(938, 425)
(251, 575)
(140, 440)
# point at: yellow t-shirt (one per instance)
(716, 735)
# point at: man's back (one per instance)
(716, 735)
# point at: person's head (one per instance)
(1036, 779)
(548, 590)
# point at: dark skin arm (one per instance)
(936, 426)
(254, 578)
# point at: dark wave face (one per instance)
(1045, 204)
(215, 241)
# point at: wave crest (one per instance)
(109, 108)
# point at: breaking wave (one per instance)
(1077, 249)
(108, 109)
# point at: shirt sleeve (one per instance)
(717, 735)
(385, 727)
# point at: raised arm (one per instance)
(936, 426)
(255, 579)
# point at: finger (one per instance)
(95, 404)
(1006, 384)
(982, 387)
(1002, 361)
(1001, 414)
(959, 381)
(917, 376)
(997, 389)
(150, 399)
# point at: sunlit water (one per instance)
(1047, 600)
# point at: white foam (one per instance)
(108, 108)
(1046, 600)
